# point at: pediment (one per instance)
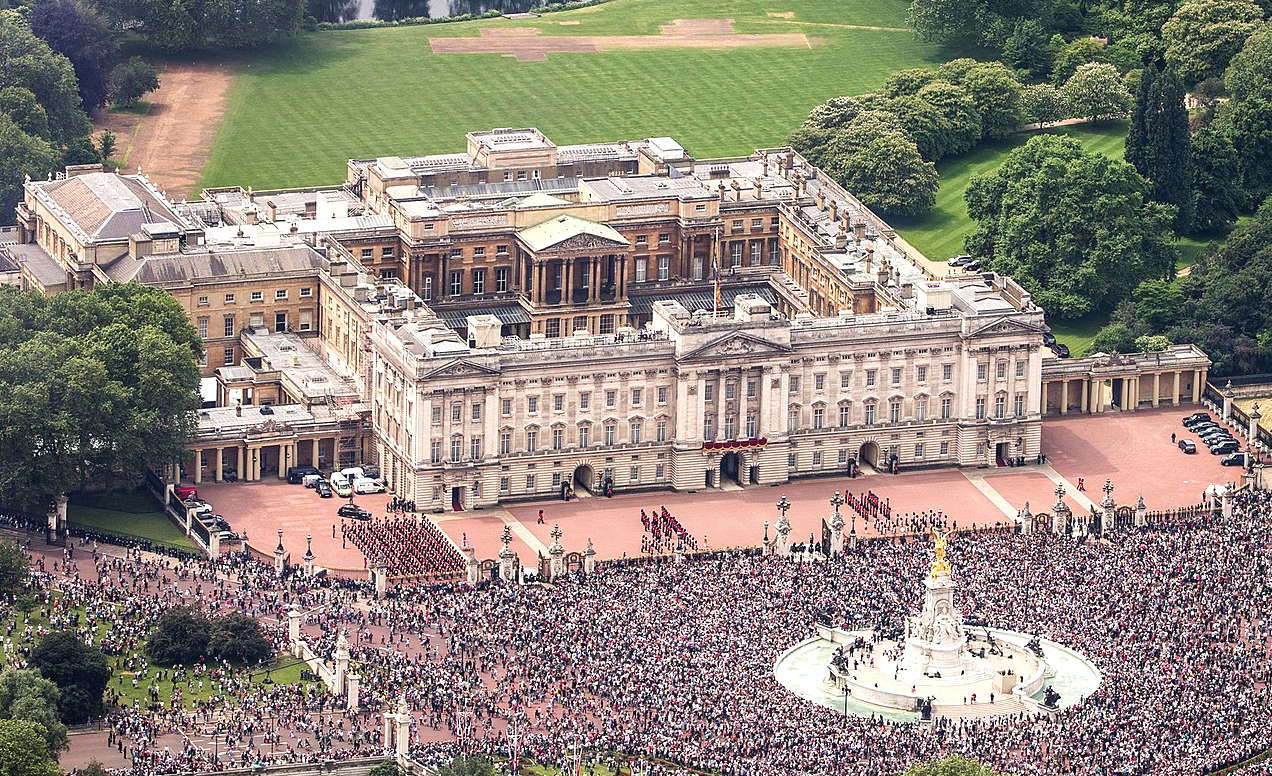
(733, 345)
(584, 242)
(1006, 326)
(459, 368)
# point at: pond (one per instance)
(390, 10)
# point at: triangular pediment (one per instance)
(584, 242)
(460, 368)
(1006, 326)
(733, 345)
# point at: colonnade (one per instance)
(1095, 396)
(247, 458)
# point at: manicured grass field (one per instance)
(296, 114)
(939, 234)
(126, 514)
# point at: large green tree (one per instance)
(24, 751)
(30, 63)
(95, 388)
(211, 25)
(22, 155)
(1096, 92)
(1202, 36)
(996, 94)
(76, 32)
(25, 694)
(1216, 175)
(882, 167)
(1158, 141)
(79, 671)
(1248, 114)
(1076, 228)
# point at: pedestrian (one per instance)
(540, 517)
(1172, 437)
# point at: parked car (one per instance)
(185, 491)
(371, 471)
(1195, 418)
(367, 485)
(1048, 339)
(323, 489)
(311, 480)
(353, 511)
(1205, 427)
(296, 474)
(1223, 448)
(1233, 459)
(959, 260)
(1187, 446)
(1060, 349)
(266, 409)
(972, 266)
(341, 487)
(1217, 435)
(202, 509)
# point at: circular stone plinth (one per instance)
(804, 669)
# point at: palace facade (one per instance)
(522, 317)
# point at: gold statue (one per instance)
(939, 564)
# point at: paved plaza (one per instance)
(1133, 450)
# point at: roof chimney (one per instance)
(834, 212)
(821, 199)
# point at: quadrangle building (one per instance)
(505, 322)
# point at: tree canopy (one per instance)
(25, 694)
(1202, 36)
(211, 25)
(76, 32)
(79, 671)
(1073, 227)
(184, 636)
(96, 387)
(24, 751)
(1158, 143)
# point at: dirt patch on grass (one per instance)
(169, 141)
(782, 14)
(528, 44)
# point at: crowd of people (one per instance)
(674, 661)
(407, 546)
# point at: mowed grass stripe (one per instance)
(295, 115)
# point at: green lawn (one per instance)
(296, 114)
(939, 234)
(1078, 334)
(126, 514)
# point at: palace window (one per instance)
(203, 328)
(845, 415)
(479, 251)
(606, 324)
(708, 392)
(792, 419)
(947, 372)
(870, 377)
(819, 382)
(664, 267)
(1000, 407)
(662, 394)
(474, 448)
(280, 293)
(661, 430)
(558, 439)
(870, 413)
(757, 252)
(229, 356)
(636, 427)
(1020, 369)
(735, 254)
(505, 407)
(819, 417)
(532, 404)
(585, 400)
(708, 430)
(729, 427)
(697, 268)
(611, 398)
(558, 402)
(456, 448)
(476, 410)
(428, 289)
(584, 432)
(845, 379)
(437, 414)
(794, 384)
(636, 397)
(921, 407)
(280, 321)
(945, 448)
(1020, 405)
(642, 268)
(918, 450)
(980, 408)
(530, 482)
(921, 374)
(203, 301)
(896, 375)
(610, 432)
(479, 280)
(635, 474)
(229, 298)
(435, 452)
(229, 325)
(457, 412)
(457, 282)
(532, 440)
(552, 327)
(982, 372)
(945, 408)
(750, 427)
(501, 279)
(664, 237)
(505, 443)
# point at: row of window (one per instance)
(229, 326)
(558, 404)
(556, 440)
(456, 278)
(920, 450)
(259, 296)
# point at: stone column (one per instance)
(380, 578)
(589, 559)
(743, 373)
(282, 460)
(1157, 388)
(594, 284)
(309, 555)
(1196, 388)
(403, 729)
(341, 656)
(1253, 431)
(722, 406)
(1175, 389)
(567, 286)
(1086, 384)
(198, 466)
(220, 464)
(1141, 511)
(622, 277)
(280, 555)
(1227, 398)
(1064, 397)
(354, 682)
(293, 629)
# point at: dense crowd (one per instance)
(675, 660)
(406, 545)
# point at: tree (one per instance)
(1203, 35)
(996, 94)
(1073, 55)
(106, 144)
(835, 113)
(386, 768)
(1216, 174)
(956, 23)
(78, 33)
(21, 155)
(1247, 117)
(955, 765)
(1027, 48)
(190, 25)
(30, 63)
(1073, 227)
(95, 388)
(14, 565)
(1151, 343)
(1158, 142)
(882, 168)
(24, 750)
(25, 694)
(812, 143)
(1096, 92)
(1114, 337)
(20, 105)
(239, 639)
(1043, 103)
(941, 119)
(179, 638)
(79, 671)
(1158, 304)
(909, 81)
(131, 80)
(467, 766)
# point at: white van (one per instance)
(367, 485)
(311, 480)
(353, 472)
(338, 478)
